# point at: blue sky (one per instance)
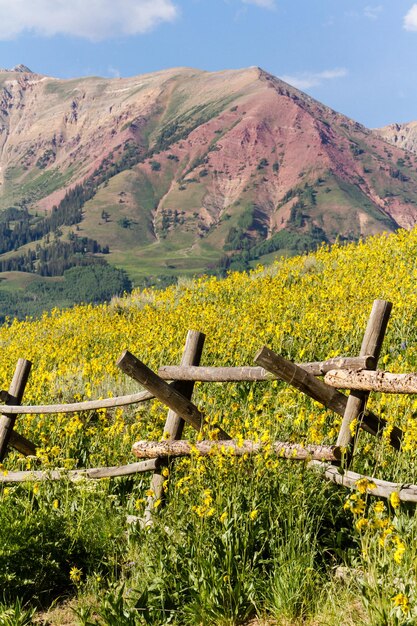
(359, 57)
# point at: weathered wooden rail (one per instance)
(75, 407)
(381, 381)
(357, 374)
(231, 447)
(75, 475)
(186, 372)
(256, 374)
(376, 486)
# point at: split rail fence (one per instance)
(358, 374)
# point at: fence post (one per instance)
(174, 424)
(16, 390)
(356, 402)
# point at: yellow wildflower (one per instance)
(395, 499)
(355, 504)
(402, 601)
(399, 550)
(363, 484)
(379, 507)
(75, 574)
(361, 524)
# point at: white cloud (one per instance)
(266, 4)
(89, 19)
(373, 12)
(410, 20)
(306, 80)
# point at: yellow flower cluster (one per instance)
(306, 308)
(206, 508)
(403, 602)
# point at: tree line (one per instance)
(59, 256)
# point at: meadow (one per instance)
(251, 540)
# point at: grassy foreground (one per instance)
(239, 539)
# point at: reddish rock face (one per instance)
(228, 159)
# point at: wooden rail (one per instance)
(16, 391)
(354, 373)
(255, 374)
(282, 449)
(174, 424)
(385, 382)
(21, 444)
(371, 344)
(75, 407)
(74, 475)
(382, 488)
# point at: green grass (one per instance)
(117, 206)
(65, 88)
(340, 205)
(184, 569)
(32, 185)
(134, 195)
(19, 281)
(135, 248)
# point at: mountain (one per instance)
(400, 135)
(183, 171)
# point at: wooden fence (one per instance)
(173, 386)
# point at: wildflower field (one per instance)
(240, 539)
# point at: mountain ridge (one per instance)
(184, 171)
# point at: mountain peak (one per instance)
(199, 170)
(22, 69)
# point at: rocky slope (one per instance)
(183, 170)
(400, 135)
